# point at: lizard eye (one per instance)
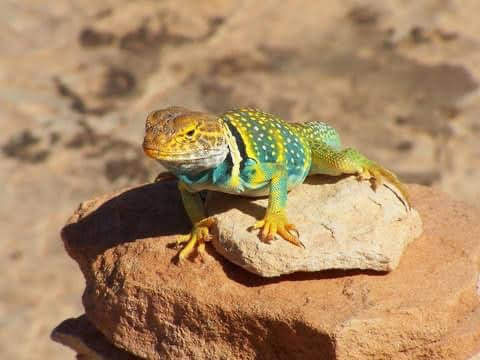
(190, 133)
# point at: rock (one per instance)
(428, 308)
(81, 336)
(343, 225)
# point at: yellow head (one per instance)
(185, 141)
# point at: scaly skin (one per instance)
(252, 153)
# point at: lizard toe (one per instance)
(196, 239)
(277, 225)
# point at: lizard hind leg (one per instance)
(327, 160)
(370, 170)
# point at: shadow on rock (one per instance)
(156, 210)
(147, 211)
(239, 275)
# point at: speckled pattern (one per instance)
(262, 140)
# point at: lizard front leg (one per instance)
(275, 220)
(201, 223)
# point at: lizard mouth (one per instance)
(161, 155)
(153, 153)
(157, 154)
(170, 156)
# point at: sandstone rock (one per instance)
(343, 225)
(428, 308)
(81, 336)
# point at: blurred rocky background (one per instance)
(398, 78)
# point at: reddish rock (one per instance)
(428, 308)
(89, 344)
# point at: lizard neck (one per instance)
(195, 165)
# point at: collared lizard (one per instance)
(252, 153)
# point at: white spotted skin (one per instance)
(270, 140)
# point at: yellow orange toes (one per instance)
(196, 239)
(272, 225)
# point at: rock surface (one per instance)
(343, 225)
(428, 308)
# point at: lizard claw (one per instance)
(272, 225)
(372, 174)
(377, 176)
(353, 162)
(181, 240)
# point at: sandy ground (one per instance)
(399, 80)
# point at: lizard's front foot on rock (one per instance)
(275, 224)
(196, 239)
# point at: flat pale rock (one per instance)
(428, 308)
(343, 224)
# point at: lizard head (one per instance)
(185, 141)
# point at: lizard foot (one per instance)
(353, 162)
(196, 239)
(272, 225)
(372, 174)
(376, 174)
